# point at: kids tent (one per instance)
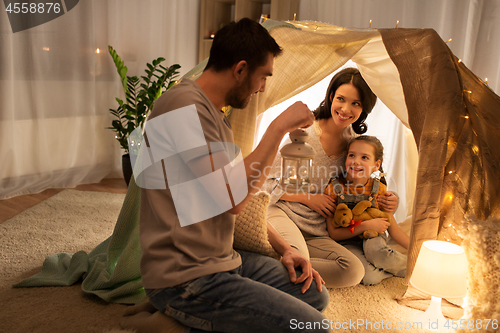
(455, 121)
(453, 115)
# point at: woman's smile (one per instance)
(343, 117)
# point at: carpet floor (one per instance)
(74, 220)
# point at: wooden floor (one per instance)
(14, 206)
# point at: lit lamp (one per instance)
(296, 163)
(440, 271)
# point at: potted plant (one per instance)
(140, 95)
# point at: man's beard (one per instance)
(239, 97)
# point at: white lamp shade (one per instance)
(440, 270)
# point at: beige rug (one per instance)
(76, 220)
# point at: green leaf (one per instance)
(117, 124)
(141, 109)
(158, 93)
(123, 71)
(115, 113)
(120, 67)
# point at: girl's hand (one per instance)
(388, 202)
(380, 225)
(321, 203)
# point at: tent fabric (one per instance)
(455, 119)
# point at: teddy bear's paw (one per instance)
(370, 234)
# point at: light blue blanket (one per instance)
(111, 271)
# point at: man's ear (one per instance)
(240, 70)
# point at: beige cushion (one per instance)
(250, 231)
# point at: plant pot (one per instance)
(126, 168)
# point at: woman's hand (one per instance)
(388, 202)
(380, 225)
(320, 203)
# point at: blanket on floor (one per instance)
(110, 271)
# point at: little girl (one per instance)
(364, 156)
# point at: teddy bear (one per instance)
(347, 218)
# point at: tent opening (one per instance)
(400, 151)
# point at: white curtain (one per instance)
(473, 26)
(55, 89)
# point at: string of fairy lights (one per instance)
(468, 95)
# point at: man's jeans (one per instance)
(256, 297)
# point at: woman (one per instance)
(301, 218)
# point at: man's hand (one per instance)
(292, 259)
(388, 202)
(295, 116)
